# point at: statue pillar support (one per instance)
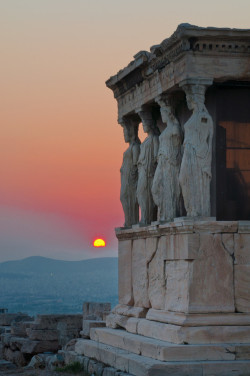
(146, 167)
(195, 172)
(166, 188)
(129, 172)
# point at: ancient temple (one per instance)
(184, 249)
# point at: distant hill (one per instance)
(42, 285)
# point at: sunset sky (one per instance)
(61, 147)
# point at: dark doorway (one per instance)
(233, 154)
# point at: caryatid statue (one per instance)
(166, 188)
(146, 168)
(195, 172)
(129, 172)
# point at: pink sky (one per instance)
(61, 147)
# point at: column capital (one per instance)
(195, 90)
(165, 100)
(144, 113)
(196, 82)
(128, 121)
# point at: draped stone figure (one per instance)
(195, 172)
(146, 168)
(129, 173)
(166, 188)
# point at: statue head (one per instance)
(130, 130)
(148, 122)
(195, 96)
(166, 103)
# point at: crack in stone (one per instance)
(226, 249)
(233, 259)
(148, 262)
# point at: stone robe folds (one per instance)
(146, 169)
(166, 187)
(129, 178)
(195, 173)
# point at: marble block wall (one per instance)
(195, 267)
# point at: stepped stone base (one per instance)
(215, 319)
(140, 365)
(165, 351)
(189, 335)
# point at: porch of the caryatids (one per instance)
(195, 172)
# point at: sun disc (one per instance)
(99, 243)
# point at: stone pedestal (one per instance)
(184, 301)
(185, 281)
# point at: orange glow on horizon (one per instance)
(99, 243)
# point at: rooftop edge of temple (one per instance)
(188, 35)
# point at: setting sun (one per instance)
(99, 243)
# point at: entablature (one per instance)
(220, 54)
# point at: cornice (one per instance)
(200, 41)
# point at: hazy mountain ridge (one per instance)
(42, 285)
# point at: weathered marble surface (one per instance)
(181, 246)
(198, 319)
(242, 272)
(125, 291)
(190, 52)
(193, 335)
(242, 288)
(156, 278)
(140, 274)
(195, 171)
(125, 356)
(161, 350)
(187, 266)
(146, 168)
(129, 173)
(166, 189)
(242, 249)
(130, 311)
(211, 286)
